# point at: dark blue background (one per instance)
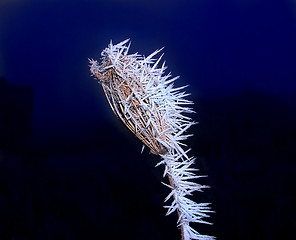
(70, 170)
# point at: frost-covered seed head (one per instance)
(143, 97)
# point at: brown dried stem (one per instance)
(147, 134)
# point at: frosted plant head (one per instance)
(143, 97)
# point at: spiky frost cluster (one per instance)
(143, 97)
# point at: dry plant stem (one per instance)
(173, 186)
(117, 108)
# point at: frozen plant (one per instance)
(142, 96)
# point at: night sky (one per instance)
(70, 170)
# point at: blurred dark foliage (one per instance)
(101, 187)
(16, 107)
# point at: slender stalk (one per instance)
(171, 181)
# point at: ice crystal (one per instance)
(143, 97)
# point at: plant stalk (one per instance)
(171, 181)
